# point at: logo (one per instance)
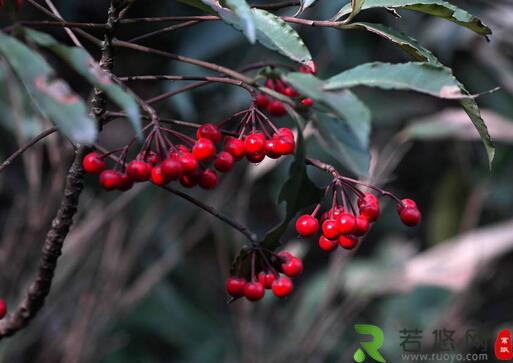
(503, 346)
(369, 348)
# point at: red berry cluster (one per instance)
(192, 162)
(343, 224)
(3, 309)
(266, 267)
(275, 107)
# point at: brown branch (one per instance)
(168, 29)
(27, 146)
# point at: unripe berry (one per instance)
(255, 158)
(204, 149)
(209, 131)
(327, 245)
(282, 287)
(362, 226)
(255, 143)
(254, 291)
(276, 108)
(208, 179)
(348, 242)
(172, 169)
(346, 223)
(3, 309)
(261, 100)
(406, 203)
(266, 279)
(158, 177)
(235, 147)
(410, 216)
(235, 286)
(93, 163)
(292, 266)
(138, 171)
(224, 162)
(110, 179)
(330, 229)
(307, 226)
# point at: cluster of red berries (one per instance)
(195, 161)
(342, 226)
(265, 274)
(3, 309)
(276, 107)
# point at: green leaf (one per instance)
(198, 4)
(271, 31)
(298, 192)
(243, 11)
(305, 4)
(405, 42)
(432, 79)
(52, 96)
(347, 111)
(437, 8)
(87, 67)
(356, 7)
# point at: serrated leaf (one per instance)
(298, 192)
(87, 67)
(439, 8)
(52, 96)
(407, 43)
(243, 11)
(343, 106)
(432, 79)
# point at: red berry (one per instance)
(285, 132)
(327, 245)
(189, 163)
(152, 158)
(189, 180)
(172, 169)
(282, 287)
(269, 84)
(270, 148)
(362, 226)
(204, 149)
(280, 86)
(126, 183)
(235, 147)
(410, 216)
(224, 162)
(255, 158)
(261, 100)
(307, 226)
(255, 143)
(3, 308)
(368, 198)
(369, 207)
(208, 179)
(346, 223)
(254, 291)
(110, 179)
(138, 170)
(276, 108)
(266, 279)
(406, 203)
(284, 146)
(348, 242)
(235, 286)
(209, 131)
(93, 163)
(158, 177)
(292, 266)
(291, 92)
(307, 102)
(309, 68)
(330, 229)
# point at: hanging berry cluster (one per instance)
(266, 267)
(168, 155)
(344, 224)
(3, 308)
(276, 107)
